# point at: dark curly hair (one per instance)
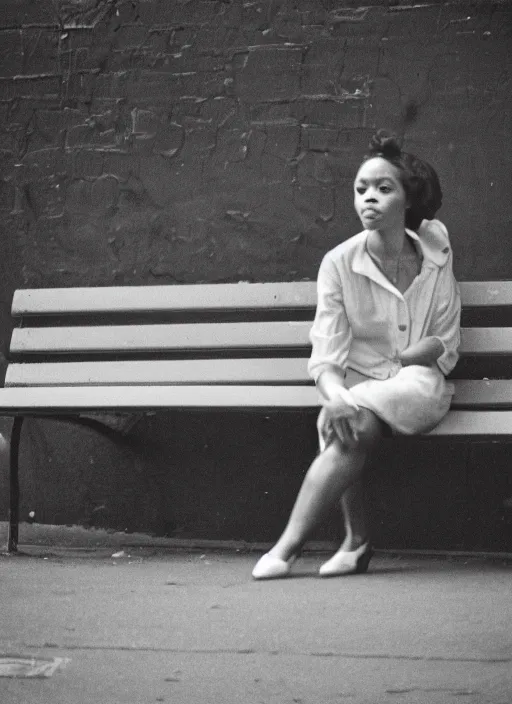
(419, 179)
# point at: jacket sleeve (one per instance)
(331, 334)
(445, 321)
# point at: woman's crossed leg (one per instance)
(336, 469)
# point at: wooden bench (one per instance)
(228, 346)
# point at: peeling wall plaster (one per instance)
(118, 115)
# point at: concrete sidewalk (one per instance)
(191, 627)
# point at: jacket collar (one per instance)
(433, 243)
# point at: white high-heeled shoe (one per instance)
(347, 562)
(271, 567)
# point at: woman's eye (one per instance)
(360, 190)
(385, 189)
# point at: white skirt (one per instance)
(412, 402)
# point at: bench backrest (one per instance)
(197, 334)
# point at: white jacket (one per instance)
(363, 322)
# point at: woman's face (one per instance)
(379, 197)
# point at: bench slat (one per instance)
(140, 338)
(488, 423)
(45, 401)
(482, 393)
(486, 341)
(137, 338)
(476, 394)
(125, 398)
(154, 372)
(129, 299)
(486, 293)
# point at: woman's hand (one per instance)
(341, 404)
(342, 408)
(425, 352)
(338, 402)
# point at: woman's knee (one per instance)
(368, 429)
(360, 433)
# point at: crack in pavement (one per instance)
(252, 651)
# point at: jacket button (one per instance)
(402, 328)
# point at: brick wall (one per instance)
(182, 141)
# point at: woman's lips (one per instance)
(370, 213)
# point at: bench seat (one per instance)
(481, 396)
(82, 351)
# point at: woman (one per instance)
(385, 335)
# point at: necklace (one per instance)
(401, 270)
(389, 267)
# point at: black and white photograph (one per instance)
(255, 351)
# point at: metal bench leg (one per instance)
(14, 486)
